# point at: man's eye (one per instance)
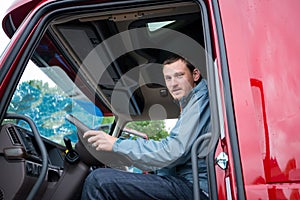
(167, 78)
(179, 75)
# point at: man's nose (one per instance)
(173, 82)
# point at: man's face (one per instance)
(179, 79)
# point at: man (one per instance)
(171, 155)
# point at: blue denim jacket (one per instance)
(172, 155)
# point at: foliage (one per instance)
(154, 129)
(108, 120)
(48, 106)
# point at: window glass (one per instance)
(153, 26)
(47, 103)
(154, 129)
(150, 129)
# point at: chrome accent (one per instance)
(222, 160)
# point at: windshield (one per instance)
(48, 100)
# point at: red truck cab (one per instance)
(93, 50)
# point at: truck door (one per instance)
(261, 46)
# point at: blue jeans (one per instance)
(106, 183)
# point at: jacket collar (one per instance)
(185, 99)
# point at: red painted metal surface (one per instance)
(18, 11)
(262, 46)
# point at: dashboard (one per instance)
(21, 165)
(18, 143)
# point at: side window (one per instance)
(154, 129)
(150, 129)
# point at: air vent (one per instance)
(13, 136)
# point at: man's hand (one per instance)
(100, 140)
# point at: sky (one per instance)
(4, 5)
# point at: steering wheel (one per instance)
(90, 155)
(44, 154)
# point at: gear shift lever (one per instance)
(72, 156)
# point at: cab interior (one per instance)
(111, 58)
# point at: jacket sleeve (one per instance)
(175, 149)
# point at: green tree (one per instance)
(45, 88)
(154, 129)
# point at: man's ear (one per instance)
(196, 74)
